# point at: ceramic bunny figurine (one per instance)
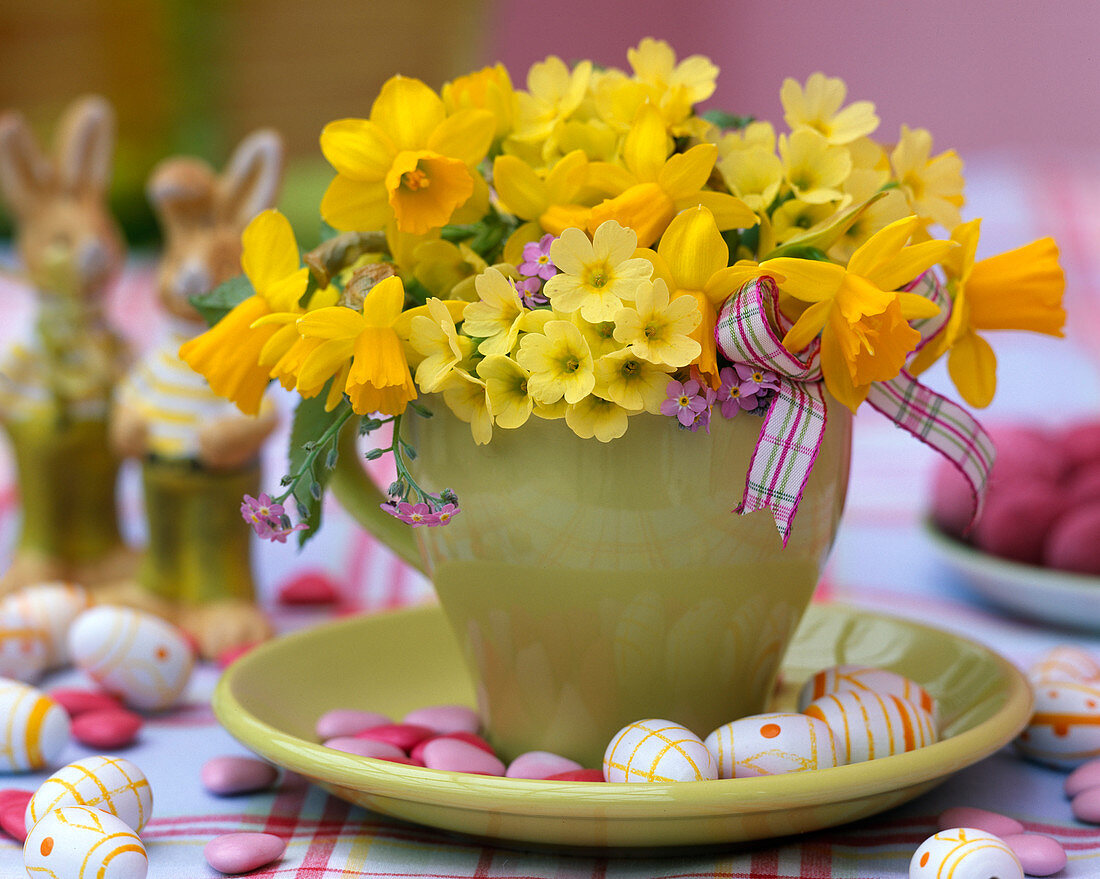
(55, 390)
(199, 454)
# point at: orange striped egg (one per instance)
(657, 750)
(111, 784)
(132, 654)
(862, 677)
(35, 731)
(1065, 663)
(51, 607)
(1064, 731)
(82, 843)
(869, 725)
(964, 853)
(771, 744)
(24, 646)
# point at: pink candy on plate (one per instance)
(469, 738)
(979, 819)
(445, 718)
(13, 806)
(541, 764)
(310, 587)
(1039, 855)
(231, 775)
(1085, 776)
(365, 747)
(401, 735)
(107, 729)
(455, 755)
(1086, 806)
(348, 722)
(1074, 541)
(244, 851)
(77, 701)
(578, 775)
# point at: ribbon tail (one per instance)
(790, 439)
(941, 424)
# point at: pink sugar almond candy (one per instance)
(445, 718)
(348, 722)
(1039, 855)
(952, 500)
(77, 701)
(1024, 452)
(309, 588)
(231, 775)
(456, 755)
(1074, 541)
(243, 852)
(402, 735)
(1081, 443)
(578, 775)
(1086, 806)
(979, 819)
(541, 764)
(470, 738)
(12, 822)
(1083, 487)
(1085, 776)
(1016, 520)
(227, 657)
(407, 761)
(107, 729)
(365, 747)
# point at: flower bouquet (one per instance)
(592, 259)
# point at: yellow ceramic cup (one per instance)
(593, 584)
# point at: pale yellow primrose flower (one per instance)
(814, 168)
(599, 336)
(496, 317)
(553, 93)
(635, 384)
(434, 335)
(795, 216)
(559, 362)
(674, 87)
(933, 186)
(510, 401)
(595, 276)
(466, 396)
(658, 330)
(754, 175)
(818, 106)
(549, 201)
(596, 417)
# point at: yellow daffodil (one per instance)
(1018, 290)
(510, 401)
(378, 379)
(630, 381)
(863, 321)
(658, 330)
(229, 353)
(551, 201)
(933, 186)
(409, 162)
(595, 417)
(595, 276)
(814, 168)
(655, 186)
(434, 335)
(497, 314)
(553, 93)
(817, 105)
(559, 363)
(487, 89)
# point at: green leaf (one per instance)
(310, 422)
(825, 238)
(216, 304)
(726, 120)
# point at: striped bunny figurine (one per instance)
(199, 453)
(55, 388)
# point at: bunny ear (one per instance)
(181, 189)
(85, 145)
(250, 183)
(24, 171)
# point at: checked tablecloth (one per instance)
(881, 562)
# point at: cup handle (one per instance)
(362, 499)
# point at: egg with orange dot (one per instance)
(869, 725)
(111, 784)
(1064, 730)
(79, 842)
(964, 853)
(24, 646)
(51, 607)
(772, 744)
(134, 655)
(866, 678)
(35, 731)
(657, 750)
(1065, 663)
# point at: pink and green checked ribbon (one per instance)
(794, 425)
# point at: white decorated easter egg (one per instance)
(111, 784)
(77, 842)
(964, 853)
(658, 750)
(1065, 663)
(771, 744)
(24, 646)
(866, 678)
(869, 725)
(35, 728)
(51, 607)
(134, 655)
(1064, 731)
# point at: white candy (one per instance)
(840, 678)
(24, 646)
(76, 842)
(1064, 731)
(1065, 663)
(771, 744)
(51, 607)
(111, 784)
(867, 725)
(964, 853)
(134, 655)
(657, 750)
(35, 728)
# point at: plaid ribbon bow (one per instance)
(794, 424)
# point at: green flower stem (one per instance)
(322, 442)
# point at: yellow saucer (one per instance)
(270, 699)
